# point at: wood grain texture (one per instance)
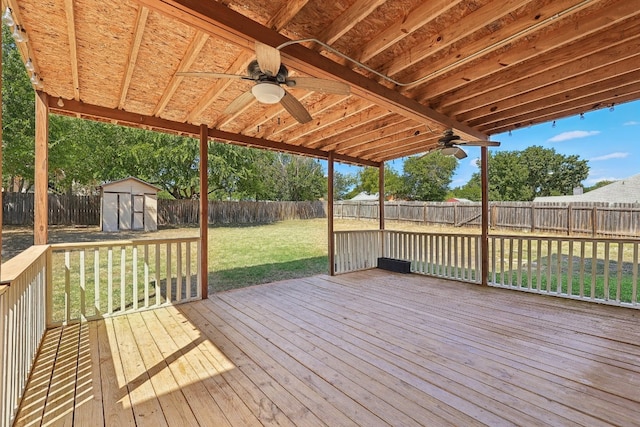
(370, 348)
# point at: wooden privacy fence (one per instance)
(176, 212)
(18, 209)
(595, 219)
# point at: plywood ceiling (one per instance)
(478, 66)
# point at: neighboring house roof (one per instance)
(366, 196)
(623, 191)
(132, 178)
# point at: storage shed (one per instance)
(129, 204)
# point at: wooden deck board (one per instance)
(370, 348)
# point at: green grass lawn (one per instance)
(248, 255)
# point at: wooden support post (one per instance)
(41, 181)
(1, 84)
(330, 237)
(381, 194)
(484, 238)
(204, 210)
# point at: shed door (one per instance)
(124, 211)
(109, 212)
(138, 211)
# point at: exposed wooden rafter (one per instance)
(141, 21)
(214, 18)
(73, 48)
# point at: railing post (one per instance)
(49, 288)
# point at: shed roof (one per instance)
(480, 67)
(131, 178)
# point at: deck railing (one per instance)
(436, 254)
(357, 250)
(22, 324)
(451, 256)
(100, 279)
(597, 270)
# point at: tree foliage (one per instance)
(525, 175)
(428, 177)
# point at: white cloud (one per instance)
(575, 134)
(631, 123)
(475, 162)
(616, 155)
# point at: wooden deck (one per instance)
(370, 348)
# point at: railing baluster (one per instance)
(594, 271)
(570, 269)
(634, 275)
(109, 280)
(549, 264)
(67, 286)
(169, 279)
(123, 278)
(178, 271)
(96, 281)
(606, 271)
(619, 276)
(157, 274)
(146, 276)
(582, 253)
(529, 267)
(187, 274)
(134, 261)
(83, 307)
(559, 268)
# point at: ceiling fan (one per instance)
(449, 142)
(269, 75)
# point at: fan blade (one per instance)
(213, 75)
(239, 103)
(268, 59)
(319, 85)
(479, 143)
(295, 108)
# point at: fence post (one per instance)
(569, 219)
(533, 217)
(594, 221)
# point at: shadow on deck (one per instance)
(368, 348)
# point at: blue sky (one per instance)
(609, 139)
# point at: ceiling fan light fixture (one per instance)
(449, 151)
(267, 93)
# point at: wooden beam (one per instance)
(204, 210)
(285, 14)
(484, 231)
(219, 20)
(73, 49)
(41, 179)
(562, 34)
(414, 20)
(1, 145)
(466, 26)
(381, 195)
(125, 118)
(348, 19)
(141, 22)
(567, 99)
(330, 236)
(195, 46)
(611, 61)
(469, 51)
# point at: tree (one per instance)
(367, 181)
(343, 183)
(428, 177)
(18, 117)
(524, 175)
